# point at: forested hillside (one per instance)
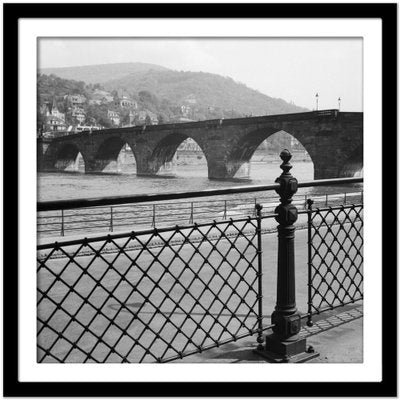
(208, 95)
(52, 86)
(209, 91)
(100, 73)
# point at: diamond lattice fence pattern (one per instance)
(126, 298)
(336, 257)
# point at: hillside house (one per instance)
(141, 117)
(125, 101)
(131, 120)
(79, 114)
(53, 111)
(114, 117)
(76, 100)
(54, 120)
(186, 111)
(153, 118)
(54, 124)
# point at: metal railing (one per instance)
(161, 294)
(198, 291)
(142, 216)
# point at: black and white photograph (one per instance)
(127, 274)
(195, 201)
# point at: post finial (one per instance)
(285, 156)
(288, 184)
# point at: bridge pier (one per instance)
(46, 156)
(145, 172)
(217, 169)
(144, 167)
(336, 167)
(93, 166)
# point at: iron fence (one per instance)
(159, 304)
(162, 294)
(335, 257)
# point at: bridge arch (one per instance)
(106, 158)
(166, 148)
(66, 157)
(243, 151)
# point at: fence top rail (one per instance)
(334, 208)
(151, 232)
(328, 182)
(146, 198)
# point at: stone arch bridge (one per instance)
(333, 139)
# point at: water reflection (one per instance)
(57, 186)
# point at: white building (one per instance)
(79, 114)
(114, 117)
(76, 100)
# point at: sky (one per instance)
(294, 69)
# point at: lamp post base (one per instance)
(289, 351)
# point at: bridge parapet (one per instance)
(214, 123)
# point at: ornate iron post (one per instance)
(284, 344)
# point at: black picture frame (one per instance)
(12, 386)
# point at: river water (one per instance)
(70, 185)
(187, 176)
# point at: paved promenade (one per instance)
(337, 338)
